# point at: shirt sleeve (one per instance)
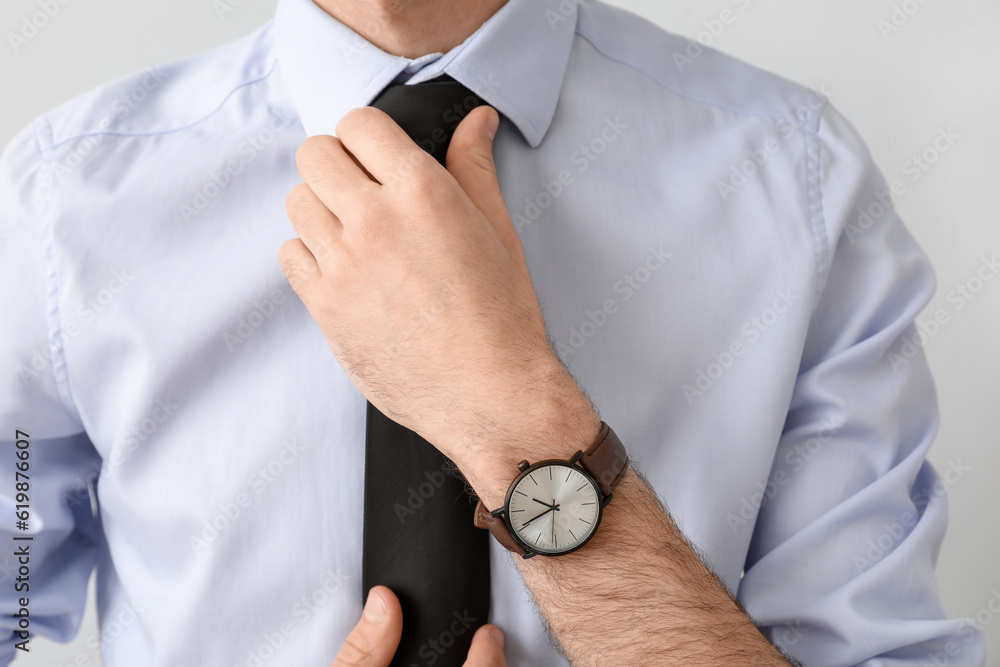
(840, 569)
(34, 400)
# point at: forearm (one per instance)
(637, 593)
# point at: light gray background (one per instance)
(940, 70)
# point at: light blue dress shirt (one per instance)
(717, 258)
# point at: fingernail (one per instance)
(497, 636)
(375, 609)
(492, 124)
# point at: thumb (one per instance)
(487, 648)
(470, 161)
(374, 640)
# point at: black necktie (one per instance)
(419, 536)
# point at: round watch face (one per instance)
(553, 507)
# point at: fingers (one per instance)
(487, 648)
(382, 146)
(470, 161)
(335, 176)
(299, 265)
(373, 641)
(319, 229)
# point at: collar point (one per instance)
(533, 138)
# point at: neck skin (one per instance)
(412, 28)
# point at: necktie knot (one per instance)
(429, 111)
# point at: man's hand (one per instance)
(373, 641)
(417, 278)
(415, 275)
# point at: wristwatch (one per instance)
(554, 507)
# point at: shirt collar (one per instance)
(515, 61)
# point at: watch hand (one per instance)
(541, 503)
(535, 517)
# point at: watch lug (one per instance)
(607, 499)
(523, 465)
(576, 457)
(497, 512)
(528, 554)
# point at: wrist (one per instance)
(551, 423)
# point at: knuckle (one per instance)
(357, 651)
(423, 175)
(482, 160)
(417, 166)
(293, 274)
(357, 120)
(297, 274)
(300, 214)
(327, 175)
(313, 148)
(318, 164)
(425, 182)
(286, 252)
(296, 201)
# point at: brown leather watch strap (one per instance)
(606, 460)
(497, 526)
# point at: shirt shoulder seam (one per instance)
(55, 336)
(222, 103)
(698, 100)
(814, 196)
